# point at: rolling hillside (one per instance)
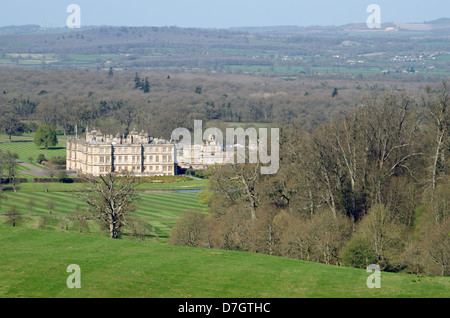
(34, 263)
(285, 51)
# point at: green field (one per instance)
(159, 210)
(27, 149)
(42, 60)
(70, 187)
(34, 264)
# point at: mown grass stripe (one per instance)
(153, 207)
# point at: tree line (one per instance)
(161, 102)
(368, 187)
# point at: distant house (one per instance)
(99, 154)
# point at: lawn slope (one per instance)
(159, 210)
(33, 263)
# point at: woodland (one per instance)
(369, 187)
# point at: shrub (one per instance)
(62, 176)
(58, 160)
(188, 229)
(358, 253)
(44, 180)
(384, 234)
(41, 158)
(202, 174)
(139, 228)
(298, 240)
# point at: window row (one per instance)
(137, 159)
(144, 168)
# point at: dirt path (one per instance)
(34, 171)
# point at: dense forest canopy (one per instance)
(110, 101)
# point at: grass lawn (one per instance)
(27, 149)
(34, 264)
(71, 187)
(23, 138)
(190, 184)
(160, 210)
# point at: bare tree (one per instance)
(331, 235)
(9, 121)
(383, 233)
(111, 199)
(13, 215)
(237, 183)
(299, 239)
(323, 162)
(436, 102)
(391, 131)
(266, 232)
(30, 205)
(437, 247)
(351, 154)
(188, 230)
(51, 206)
(139, 228)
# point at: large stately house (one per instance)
(138, 153)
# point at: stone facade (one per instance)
(99, 154)
(201, 156)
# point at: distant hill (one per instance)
(439, 24)
(281, 50)
(20, 29)
(279, 29)
(439, 21)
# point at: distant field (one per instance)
(43, 60)
(25, 137)
(28, 149)
(34, 264)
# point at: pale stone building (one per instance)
(201, 156)
(99, 154)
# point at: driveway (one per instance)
(34, 171)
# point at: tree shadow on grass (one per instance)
(53, 148)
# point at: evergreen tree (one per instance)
(137, 82)
(146, 86)
(335, 92)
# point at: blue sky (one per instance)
(218, 14)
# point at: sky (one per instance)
(218, 14)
